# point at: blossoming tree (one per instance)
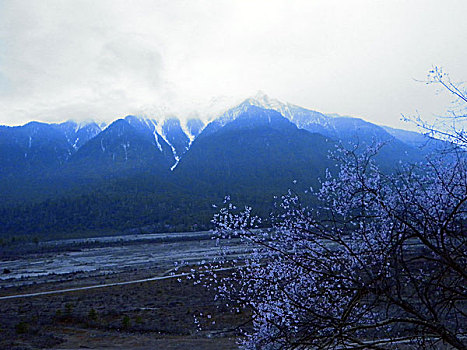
(379, 264)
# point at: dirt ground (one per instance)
(148, 315)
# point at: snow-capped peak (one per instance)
(260, 99)
(264, 101)
(300, 116)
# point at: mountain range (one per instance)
(139, 174)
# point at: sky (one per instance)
(103, 59)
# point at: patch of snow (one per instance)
(187, 132)
(263, 100)
(125, 147)
(231, 114)
(292, 112)
(75, 144)
(151, 123)
(177, 160)
(160, 131)
(259, 100)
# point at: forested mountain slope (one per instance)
(72, 179)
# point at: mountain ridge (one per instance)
(168, 174)
(179, 135)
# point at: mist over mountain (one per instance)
(166, 174)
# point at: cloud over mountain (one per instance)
(85, 59)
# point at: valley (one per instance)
(102, 226)
(154, 197)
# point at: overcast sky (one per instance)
(102, 60)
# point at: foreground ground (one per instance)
(154, 314)
(149, 315)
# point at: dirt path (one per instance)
(105, 285)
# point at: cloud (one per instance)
(65, 59)
(84, 59)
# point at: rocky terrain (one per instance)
(150, 314)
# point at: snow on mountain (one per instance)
(153, 128)
(303, 118)
(176, 138)
(231, 114)
(77, 134)
(33, 144)
(171, 131)
(194, 127)
(173, 137)
(180, 134)
(330, 125)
